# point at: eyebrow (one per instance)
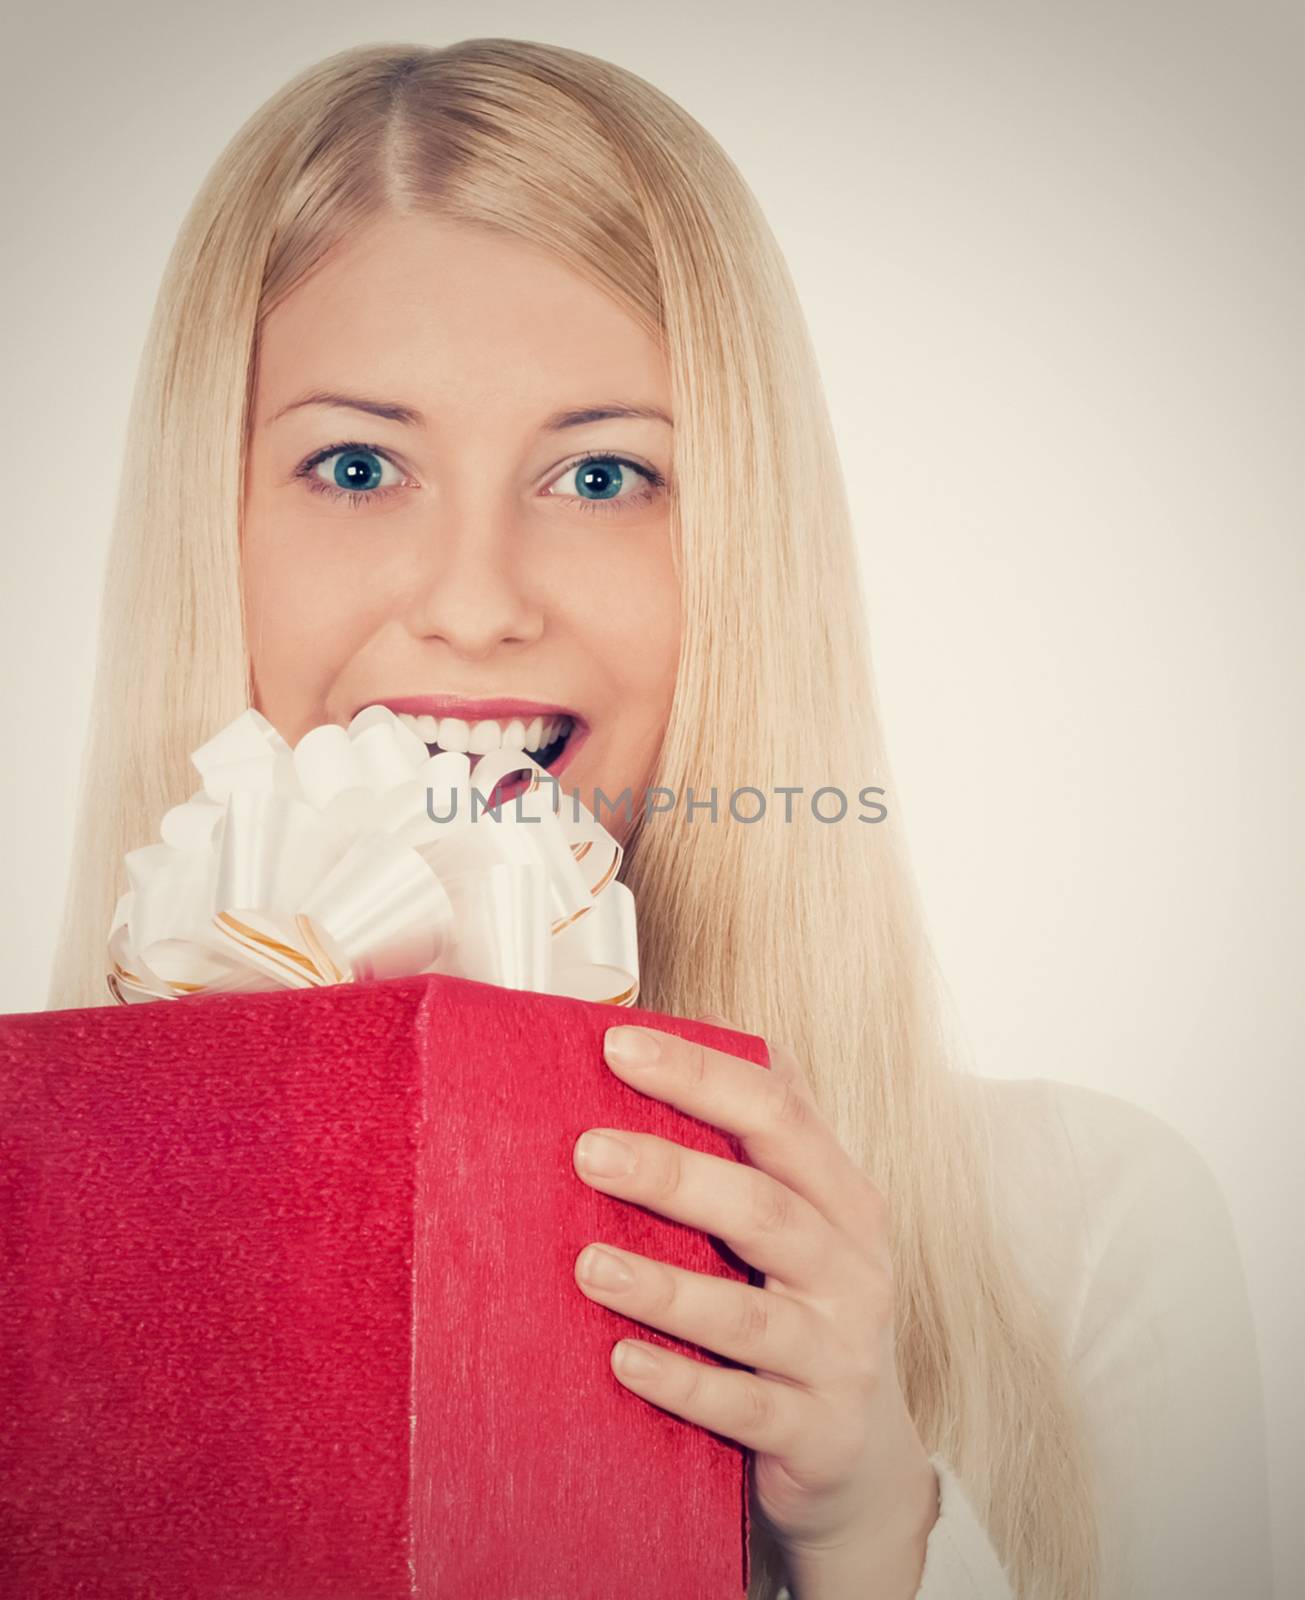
(393, 411)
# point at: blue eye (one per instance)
(356, 475)
(602, 480)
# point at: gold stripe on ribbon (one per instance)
(285, 953)
(308, 933)
(565, 922)
(625, 998)
(605, 879)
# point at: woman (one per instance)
(1002, 1346)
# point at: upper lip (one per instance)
(450, 705)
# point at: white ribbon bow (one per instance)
(358, 855)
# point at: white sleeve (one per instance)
(959, 1561)
(1164, 1352)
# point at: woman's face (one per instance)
(420, 529)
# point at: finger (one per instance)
(780, 1126)
(762, 1220)
(760, 1413)
(781, 1335)
(783, 1062)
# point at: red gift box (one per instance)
(291, 1307)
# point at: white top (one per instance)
(1124, 1225)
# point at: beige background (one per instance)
(1052, 256)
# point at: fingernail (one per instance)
(603, 1269)
(604, 1155)
(631, 1047)
(636, 1360)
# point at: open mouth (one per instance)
(549, 741)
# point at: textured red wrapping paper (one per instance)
(290, 1306)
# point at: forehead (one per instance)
(454, 319)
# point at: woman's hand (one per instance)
(839, 1470)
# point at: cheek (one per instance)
(635, 632)
(644, 655)
(307, 612)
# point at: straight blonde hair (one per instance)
(807, 932)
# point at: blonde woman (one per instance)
(477, 387)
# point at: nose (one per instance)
(473, 591)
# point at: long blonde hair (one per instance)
(808, 932)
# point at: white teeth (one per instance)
(478, 739)
(453, 734)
